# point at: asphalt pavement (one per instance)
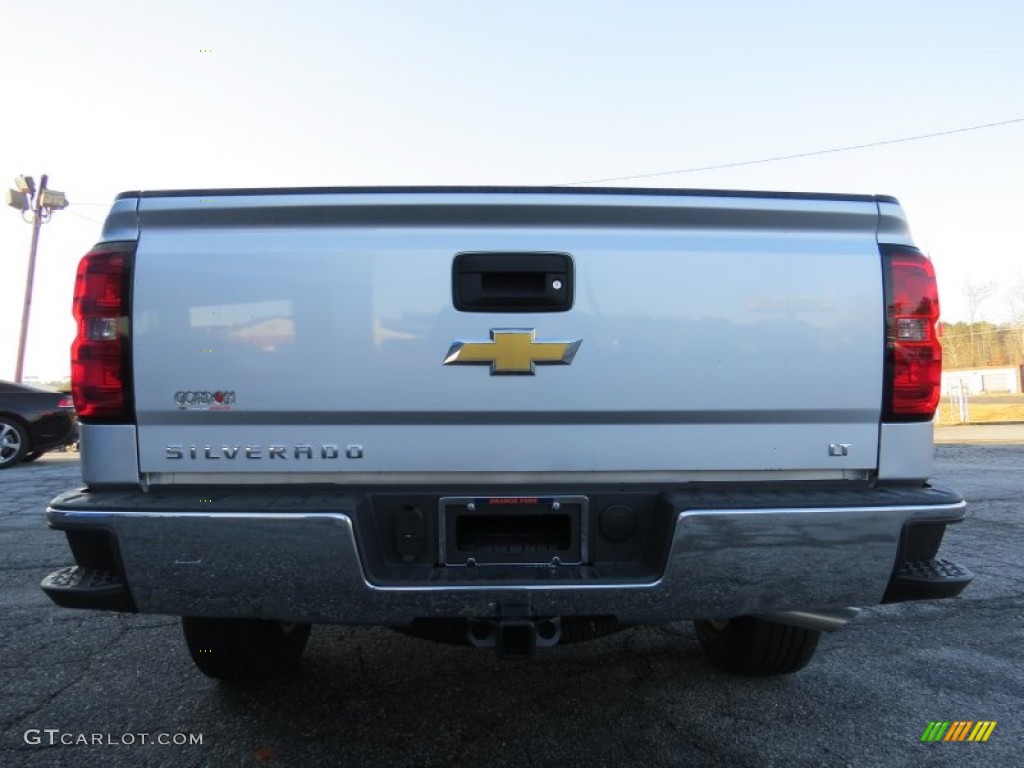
(82, 688)
(993, 434)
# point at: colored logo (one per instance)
(958, 730)
(512, 351)
(192, 400)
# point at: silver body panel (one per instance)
(502, 479)
(730, 334)
(899, 451)
(122, 222)
(306, 567)
(110, 454)
(893, 228)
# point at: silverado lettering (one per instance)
(325, 451)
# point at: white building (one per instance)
(1004, 380)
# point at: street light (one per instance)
(17, 199)
(26, 184)
(55, 201)
(39, 207)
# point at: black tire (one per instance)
(13, 442)
(241, 650)
(752, 646)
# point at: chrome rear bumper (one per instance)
(307, 567)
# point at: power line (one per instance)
(779, 158)
(79, 215)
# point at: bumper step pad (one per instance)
(927, 580)
(78, 587)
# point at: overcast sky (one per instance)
(112, 96)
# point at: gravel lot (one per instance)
(642, 697)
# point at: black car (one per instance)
(32, 422)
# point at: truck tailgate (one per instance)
(305, 334)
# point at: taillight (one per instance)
(66, 402)
(100, 359)
(913, 366)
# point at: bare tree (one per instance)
(976, 294)
(1015, 300)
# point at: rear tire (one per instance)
(750, 646)
(241, 650)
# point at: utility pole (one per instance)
(40, 205)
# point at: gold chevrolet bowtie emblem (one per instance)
(512, 350)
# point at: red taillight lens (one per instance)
(100, 365)
(913, 353)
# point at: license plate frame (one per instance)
(506, 530)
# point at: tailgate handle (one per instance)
(512, 282)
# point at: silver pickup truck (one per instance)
(504, 417)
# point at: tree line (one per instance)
(981, 344)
